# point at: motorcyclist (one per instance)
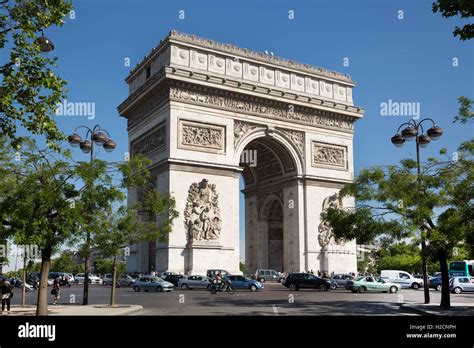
(219, 282)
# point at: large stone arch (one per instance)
(195, 106)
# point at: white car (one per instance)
(402, 278)
(93, 279)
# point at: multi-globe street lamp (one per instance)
(99, 137)
(409, 133)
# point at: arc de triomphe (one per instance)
(207, 113)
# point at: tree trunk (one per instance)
(23, 288)
(42, 304)
(114, 276)
(445, 295)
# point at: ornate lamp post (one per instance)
(99, 137)
(45, 44)
(412, 131)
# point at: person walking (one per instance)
(7, 294)
(56, 290)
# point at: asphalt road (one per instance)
(275, 299)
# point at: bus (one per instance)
(461, 268)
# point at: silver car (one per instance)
(152, 283)
(194, 282)
(340, 281)
(461, 284)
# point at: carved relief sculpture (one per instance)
(297, 138)
(202, 214)
(153, 141)
(241, 129)
(330, 155)
(203, 136)
(325, 231)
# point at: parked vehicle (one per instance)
(163, 275)
(402, 278)
(93, 279)
(296, 281)
(370, 283)
(225, 286)
(152, 283)
(461, 268)
(435, 283)
(38, 274)
(339, 280)
(173, 279)
(241, 282)
(211, 273)
(123, 280)
(461, 284)
(194, 282)
(263, 275)
(63, 280)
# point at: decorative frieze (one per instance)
(201, 136)
(297, 138)
(154, 140)
(261, 108)
(329, 155)
(242, 128)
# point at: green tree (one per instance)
(29, 88)
(462, 8)
(37, 206)
(394, 201)
(64, 263)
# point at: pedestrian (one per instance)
(319, 273)
(7, 293)
(312, 272)
(56, 290)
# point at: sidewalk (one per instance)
(99, 309)
(457, 309)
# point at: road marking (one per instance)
(275, 310)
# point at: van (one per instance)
(404, 279)
(263, 275)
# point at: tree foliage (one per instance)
(29, 88)
(452, 8)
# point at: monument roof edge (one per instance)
(244, 52)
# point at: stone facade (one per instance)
(195, 107)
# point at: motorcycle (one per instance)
(225, 286)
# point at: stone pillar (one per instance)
(251, 234)
(293, 229)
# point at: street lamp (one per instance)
(411, 132)
(45, 44)
(99, 137)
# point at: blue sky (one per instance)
(407, 59)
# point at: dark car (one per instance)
(296, 281)
(435, 283)
(173, 279)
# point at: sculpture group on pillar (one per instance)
(202, 214)
(325, 231)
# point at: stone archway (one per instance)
(195, 107)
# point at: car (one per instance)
(211, 273)
(435, 283)
(263, 275)
(173, 279)
(64, 279)
(163, 275)
(371, 283)
(461, 284)
(339, 280)
(241, 282)
(123, 280)
(296, 281)
(93, 279)
(152, 283)
(194, 282)
(404, 279)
